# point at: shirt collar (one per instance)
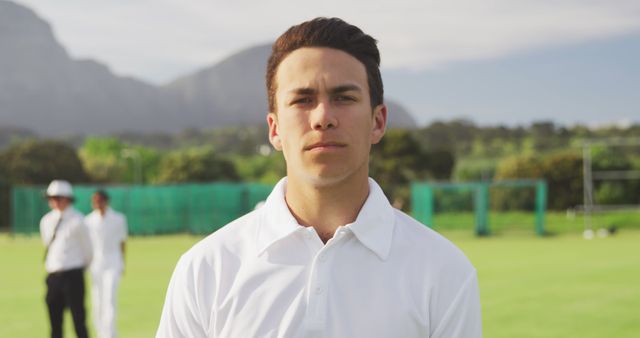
(375, 222)
(277, 221)
(373, 226)
(62, 214)
(107, 212)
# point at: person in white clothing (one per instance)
(68, 253)
(108, 230)
(326, 255)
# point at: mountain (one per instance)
(233, 90)
(44, 90)
(229, 92)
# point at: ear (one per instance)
(274, 136)
(379, 123)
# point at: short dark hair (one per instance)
(332, 33)
(103, 194)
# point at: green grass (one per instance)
(150, 262)
(523, 222)
(559, 286)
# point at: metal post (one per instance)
(134, 155)
(429, 206)
(541, 203)
(482, 208)
(587, 185)
(422, 203)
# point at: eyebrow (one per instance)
(333, 91)
(345, 88)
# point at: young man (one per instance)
(108, 230)
(68, 253)
(327, 255)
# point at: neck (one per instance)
(102, 211)
(326, 207)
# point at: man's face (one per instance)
(97, 202)
(324, 123)
(58, 202)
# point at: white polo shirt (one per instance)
(263, 275)
(107, 232)
(71, 248)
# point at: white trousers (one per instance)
(104, 291)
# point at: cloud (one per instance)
(160, 39)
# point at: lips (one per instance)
(325, 145)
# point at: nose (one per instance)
(323, 117)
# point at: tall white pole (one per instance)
(137, 163)
(587, 185)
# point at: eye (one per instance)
(345, 98)
(300, 101)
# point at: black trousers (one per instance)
(66, 289)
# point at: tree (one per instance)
(399, 159)
(439, 164)
(267, 169)
(456, 136)
(614, 191)
(517, 167)
(107, 159)
(543, 135)
(12, 135)
(196, 165)
(39, 162)
(563, 172)
(102, 158)
(474, 169)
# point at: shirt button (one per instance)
(322, 257)
(319, 290)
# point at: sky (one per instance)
(594, 83)
(159, 40)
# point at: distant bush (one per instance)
(40, 162)
(474, 170)
(615, 191)
(196, 165)
(518, 167)
(400, 159)
(450, 201)
(563, 172)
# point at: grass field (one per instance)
(559, 286)
(523, 222)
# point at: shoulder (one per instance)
(437, 251)
(47, 217)
(47, 220)
(74, 221)
(91, 216)
(202, 269)
(75, 216)
(118, 215)
(446, 277)
(233, 240)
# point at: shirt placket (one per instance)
(318, 283)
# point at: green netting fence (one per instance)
(194, 208)
(425, 196)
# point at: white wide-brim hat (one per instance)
(60, 188)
